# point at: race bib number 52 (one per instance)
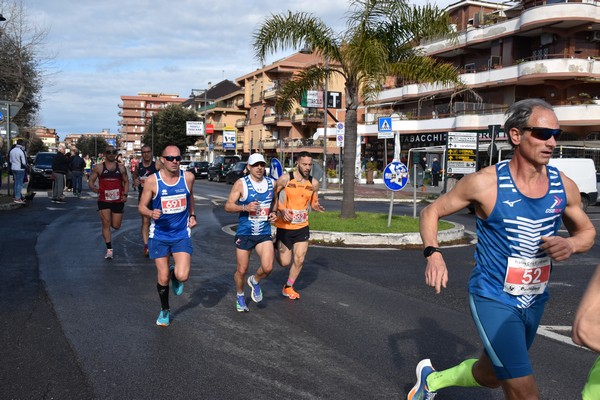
(527, 276)
(173, 204)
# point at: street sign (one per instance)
(462, 152)
(384, 128)
(194, 128)
(276, 169)
(395, 175)
(340, 140)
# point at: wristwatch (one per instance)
(429, 250)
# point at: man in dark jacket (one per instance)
(60, 167)
(76, 166)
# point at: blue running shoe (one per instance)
(177, 286)
(240, 304)
(419, 391)
(164, 318)
(256, 293)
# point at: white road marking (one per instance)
(559, 333)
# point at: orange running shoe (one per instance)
(290, 293)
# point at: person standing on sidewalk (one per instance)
(171, 192)
(77, 165)
(252, 197)
(18, 165)
(586, 332)
(112, 189)
(60, 168)
(295, 192)
(520, 205)
(145, 168)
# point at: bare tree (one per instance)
(22, 61)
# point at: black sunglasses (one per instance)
(111, 152)
(172, 158)
(543, 133)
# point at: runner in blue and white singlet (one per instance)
(508, 247)
(520, 205)
(257, 222)
(172, 201)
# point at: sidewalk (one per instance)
(379, 192)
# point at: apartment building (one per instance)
(110, 138)
(135, 113)
(505, 52)
(282, 135)
(222, 108)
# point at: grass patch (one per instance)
(366, 222)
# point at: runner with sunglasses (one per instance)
(171, 192)
(520, 205)
(112, 189)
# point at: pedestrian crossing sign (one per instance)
(385, 124)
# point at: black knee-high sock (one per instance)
(163, 293)
(109, 245)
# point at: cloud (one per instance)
(106, 49)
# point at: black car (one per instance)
(220, 167)
(41, 173)
(237, 171)
(199, 169)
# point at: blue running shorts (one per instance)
(507, 333)
(163, 248)
(248, 242)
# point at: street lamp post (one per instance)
(205, 112)
(325, 123)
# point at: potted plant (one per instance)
(371, 167)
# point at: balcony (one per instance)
(270, 93)
(239, 102)
(240, 123)
(313, 117)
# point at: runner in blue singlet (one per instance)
(252, 196)
(520, 205)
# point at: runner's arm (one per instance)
(314, 201)
(236, 193)
(586, 327)
(149, 189)
(93, 177)
(190, 179)
(581, 230)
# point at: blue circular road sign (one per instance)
(276, 169)
(395, 176)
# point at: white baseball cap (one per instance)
(256, 158)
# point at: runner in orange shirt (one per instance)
(296, 192)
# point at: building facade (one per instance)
(505, 52)
(136, 112)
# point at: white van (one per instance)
(583, 172)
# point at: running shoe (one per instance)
(177, 286)
(109, 254)
(290, 293)
(419, 391)
(256, 293)
(19, 201)
(240, 304)
(146, 251)
(164, 318)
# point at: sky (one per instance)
(101, 50)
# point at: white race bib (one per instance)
(299, 216)
(261, 213)
(112, 195)
(527, 276)
(173, 204)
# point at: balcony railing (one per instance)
(240, 123)
(308, 117)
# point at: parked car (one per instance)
(41, 171)
(184, 164)
(237, 171)
(199, 169)
(218, 170)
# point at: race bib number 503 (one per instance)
(527, 276)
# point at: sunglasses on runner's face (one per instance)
(172, 158)
(543, 133)
(111, 152)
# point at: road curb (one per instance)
(374, 239)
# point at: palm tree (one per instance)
(378, 43)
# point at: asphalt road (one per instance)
(77, 326)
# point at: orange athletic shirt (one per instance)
(297, 197)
